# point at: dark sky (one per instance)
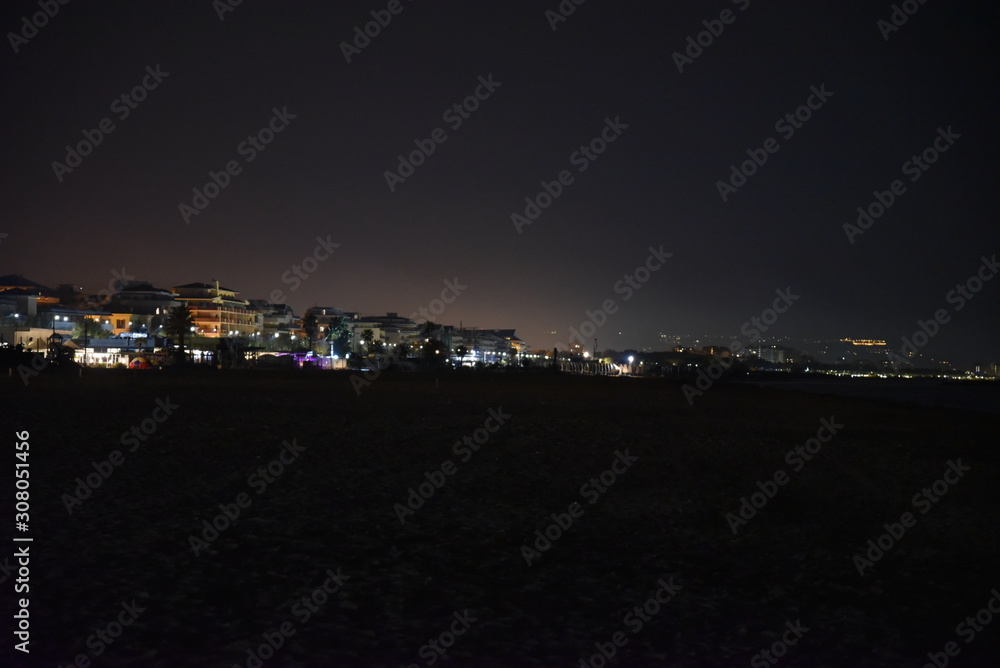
(323, 175)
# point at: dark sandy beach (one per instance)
(457, 570)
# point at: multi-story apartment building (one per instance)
(218, 312)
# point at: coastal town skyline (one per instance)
(142, 308)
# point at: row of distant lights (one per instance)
(56, 318)
(234, 332)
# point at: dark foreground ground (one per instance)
(461, 552)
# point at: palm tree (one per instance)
(310, 326)
(339, 336)
(179, 324)
(368, 336)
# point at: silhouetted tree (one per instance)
(339, 337)
(178, 327)
(368, 336)
(311, 327)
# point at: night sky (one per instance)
(324, 174)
